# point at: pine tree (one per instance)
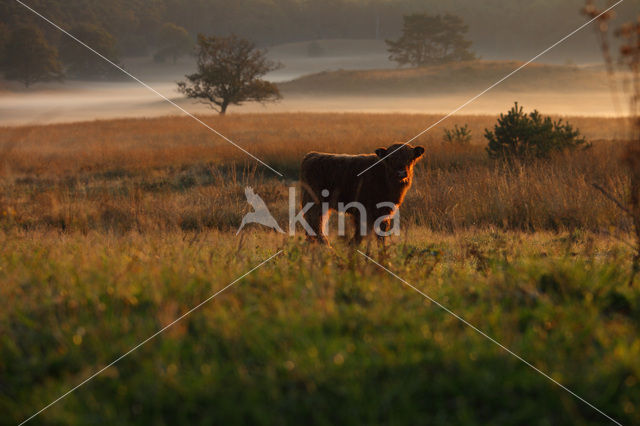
(428, 39)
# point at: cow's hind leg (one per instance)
(358, 228)
(313, 216)
(316, 220)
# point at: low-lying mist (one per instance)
(323, 82)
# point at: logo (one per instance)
(385, 225)
(260, 213)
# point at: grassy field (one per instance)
(460, 77)
(112, 229)
(169, 174)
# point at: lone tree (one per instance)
(428, 39)
(80, 61)
(174, 42)
(29, 58)
(229, 71)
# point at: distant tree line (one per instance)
(27, 56)
(168, 28)
(137, 25)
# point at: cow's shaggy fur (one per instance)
(333, 179)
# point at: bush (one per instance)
(459, 135)
(526, 136)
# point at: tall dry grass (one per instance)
(170, 173)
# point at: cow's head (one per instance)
(399, 160)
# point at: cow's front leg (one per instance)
(382, 231)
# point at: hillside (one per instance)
(459, 77)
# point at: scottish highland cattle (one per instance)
(330, 182)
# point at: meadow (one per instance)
(465, 77)
(112, 229)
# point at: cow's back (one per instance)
(338, 173)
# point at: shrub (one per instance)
(459, 135)
(526, 136)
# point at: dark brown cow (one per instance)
(333, 179)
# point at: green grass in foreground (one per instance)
(315, 336)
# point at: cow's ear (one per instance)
(381, 152)
(417, 152)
